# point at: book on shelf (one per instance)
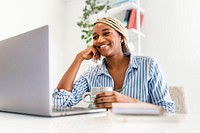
(136, 109)
(132, 19)
(132, 22)
(126, 18)
(141, 19)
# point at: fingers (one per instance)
(104, 105)
(96, 54)
(104, 99)
(90, 53)
(105, 94)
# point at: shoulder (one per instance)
(145, 60)
(140, 58)
(150, 64)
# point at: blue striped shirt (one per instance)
(143, 81)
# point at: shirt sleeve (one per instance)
(158, 88)
(66, 98)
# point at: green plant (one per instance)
(91, 7)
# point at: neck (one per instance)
(117, 61)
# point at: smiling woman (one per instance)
(110, 27)
(139, 78)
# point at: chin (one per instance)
(106, 54)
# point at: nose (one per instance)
(101, 39)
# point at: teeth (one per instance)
(103, 46)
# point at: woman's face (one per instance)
(106, 40)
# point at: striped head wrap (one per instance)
(119, 27)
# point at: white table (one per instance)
(99, 123)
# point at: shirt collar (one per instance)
(133, 62)
(103, 69)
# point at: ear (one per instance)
(121, 39)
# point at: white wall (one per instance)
(172, 36)
(57, 36)
(19, 16)
(73, 33)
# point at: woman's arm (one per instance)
(158, 88)
(105, 100)
(67, 80)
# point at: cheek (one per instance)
(95, 43)
(117, 41)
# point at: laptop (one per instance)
(24, 76)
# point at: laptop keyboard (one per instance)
(64, 109)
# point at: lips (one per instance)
(103, 46)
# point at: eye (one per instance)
(95, 37)
(106, 33)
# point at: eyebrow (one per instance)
(102, 30)
(106, 29)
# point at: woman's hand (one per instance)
(89, 53)
(105, 99)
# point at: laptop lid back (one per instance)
(24, 73)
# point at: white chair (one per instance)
(179, 96)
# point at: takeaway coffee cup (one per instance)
(93, 92)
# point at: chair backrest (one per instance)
(178, 95)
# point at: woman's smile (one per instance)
(103, 46)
